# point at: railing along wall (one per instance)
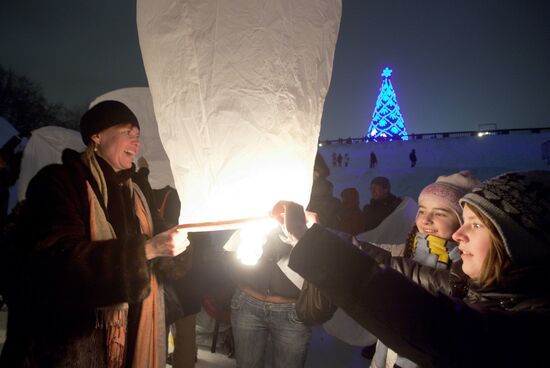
(351, 140)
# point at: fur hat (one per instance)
(105, 115)
(450, 189)
(518, 204)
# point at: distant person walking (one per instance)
(339, 159)
(334, 159)
(346, 160)
(412, 157)
(373, 160)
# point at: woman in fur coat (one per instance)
(505, 249)
(85, 286)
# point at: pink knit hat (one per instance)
(450, 189)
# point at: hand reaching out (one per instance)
(293, 219)
(167, 244)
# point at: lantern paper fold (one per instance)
(238, 90)
(138, 99)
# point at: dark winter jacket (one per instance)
(60, 277)
(452, 282)
(499, 327)
(377, 210)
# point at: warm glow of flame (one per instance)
(247, 241)
(245, 189)
(252, 239)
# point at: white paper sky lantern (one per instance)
(45, 147)
(138, 99)
(238, 89)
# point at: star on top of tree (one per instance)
(386, 72)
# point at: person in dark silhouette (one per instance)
(412, 157)
(10, 163)
(183, 296)
(351, 218)
(373, 160)
(322, 200)
(382, 202)
(340, 159)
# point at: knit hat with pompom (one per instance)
(450, 189)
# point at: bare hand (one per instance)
(292, 217)
(311, 218)
(167, 244)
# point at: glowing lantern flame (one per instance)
(252, 237)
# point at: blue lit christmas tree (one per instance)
(387, 122)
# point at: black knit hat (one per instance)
(105, 115)
(518, 204)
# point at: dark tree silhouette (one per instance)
(25, 107)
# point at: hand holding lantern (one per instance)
(293, 219)
(169, 243)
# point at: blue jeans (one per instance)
(256, 324)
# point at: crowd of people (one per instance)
(97, 271)
(339, 160)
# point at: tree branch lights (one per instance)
(387, 122)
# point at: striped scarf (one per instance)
(430, 250)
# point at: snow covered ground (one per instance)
(485, 156)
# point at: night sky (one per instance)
(456, 63)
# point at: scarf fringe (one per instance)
(115, 322)
(111, 317)
(116, 340)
